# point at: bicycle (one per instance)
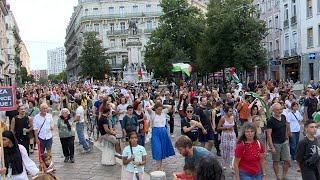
(92, 126)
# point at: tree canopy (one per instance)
(93, 59)
(24, 76)
(58, 78)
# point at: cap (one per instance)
(309, 86)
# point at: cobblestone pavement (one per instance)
(88, 166)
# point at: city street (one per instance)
(88, 166)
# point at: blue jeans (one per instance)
(293, 144)
(141, 139)
(247, 176)
(82, 140)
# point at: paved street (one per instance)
(88, 166)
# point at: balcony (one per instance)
(276, 53)
(116, 66)
(286, 53)
(120, 32)
(270, 55)
(294, 52)
(293, 20)
(286, 23)
(120, 16)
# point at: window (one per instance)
(86, 12)
(262, 7)
(87, 28)
(319, 34)
(123, 27)
(286, 12)
(309, 8)
(270, 25)
(95, 11)
(148, 9)
(310, 37)
(286, 42)
(269, 4)
(112, 43)
(318, 6)
(277, 46)
(112, 27)
(135, 9)
(122, 11)
(294, 9)
(111, 10)
(113, 60)
(276, 22)
(123, 42)
(149, 25)
(159, 8)
(270, 46)
(295, 40)
(97, 28)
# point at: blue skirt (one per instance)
(161, 145)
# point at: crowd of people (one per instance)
(241, 127)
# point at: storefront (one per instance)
(292, 68)
(310, 67)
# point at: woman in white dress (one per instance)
(17, 161)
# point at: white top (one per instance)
(80, 112)
(294, 122)
(272, 95)
(47, 121)
(288, 104)
(122, 108)
(159, 120)
(28, 164)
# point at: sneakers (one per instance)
(172, 135)
(118, 155)
(72, 160)
(85, 151)
(219, 154)
(66, 159)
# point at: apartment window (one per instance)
(262, 6)
(87, 28)
(135, 9)
(286, 12)
(113, 60)
(95, 11)
(295, 40)
(319, 34)
(123, 42)
(159, 8)
(122, 27)
(111, 10)
(149, 25)
(277, 45)
(318, 6)
(269, 4)
(112, 43)
(148, 8)
(294, 9)
(86, 12)
(111, 27)
(309, 8)
(276, 22)
(97, 28)
(270, 25)
(286, 42)
(122, 11)
(310, 37)
(270, 46)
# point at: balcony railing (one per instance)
(119, 16)
(293, 20)
(294, 52)
(286, 53)
(120, 32)
(276, 53)
(116, 66)
(286, 23)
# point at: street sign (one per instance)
(7, 98)
(312, 55)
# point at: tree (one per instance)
(177, 37)
(233, 37)
(58, 78)
(43, 81)
(23, 74)
(93, 59)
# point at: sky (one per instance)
(42, 25)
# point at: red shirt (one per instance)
(250, 156)
(183, 176)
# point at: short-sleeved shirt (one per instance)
(139, 152)
(312, 105)
(32, 112)
(243, 113)
(305, 150)
(121, 108)
(80, 112)
(198, 154)
(204, 115)
(250, 156)
(278, 129)
(317, 117)
(194, 133)
(104, 120)
(97, 104)
(159, 120)
(131, 122)
(45, 131)
(64, 132)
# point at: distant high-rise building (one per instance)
(56, 59)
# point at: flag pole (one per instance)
(2, 151)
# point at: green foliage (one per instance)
(177, 37)
(43, 81)
(58, 78)
(93, 59)
(233, 37)
(23, 74)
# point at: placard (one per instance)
(7, 98)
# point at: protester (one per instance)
(138, 112)
(209, 168)
(188, 173)
(32, 111)
(294, 117)
(79, 119)
(249, 160)
(130, 122)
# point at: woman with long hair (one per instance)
(249, 160)
(17, 161)
(182, 105)
(209, 168)
(138, 112)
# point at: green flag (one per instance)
(255, 95)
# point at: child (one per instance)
(189, 170)
(46, 164)
(134, 156)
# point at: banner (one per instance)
(7, 98)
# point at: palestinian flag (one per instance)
(140, 74)
(234, 76)
(186, 68)
(255, 95)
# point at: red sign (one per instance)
(7, 98)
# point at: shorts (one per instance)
(206, 137)
(45, 145)
(282, 152)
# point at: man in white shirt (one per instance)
(43, 127)
(79, 118)
(55, 99)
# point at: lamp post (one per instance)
(256, 74)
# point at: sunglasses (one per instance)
(189, 111)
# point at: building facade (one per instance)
(25, 57)
(110, 20)
(37, 74)
(4, 63)
(56, 60)
(310, 40)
